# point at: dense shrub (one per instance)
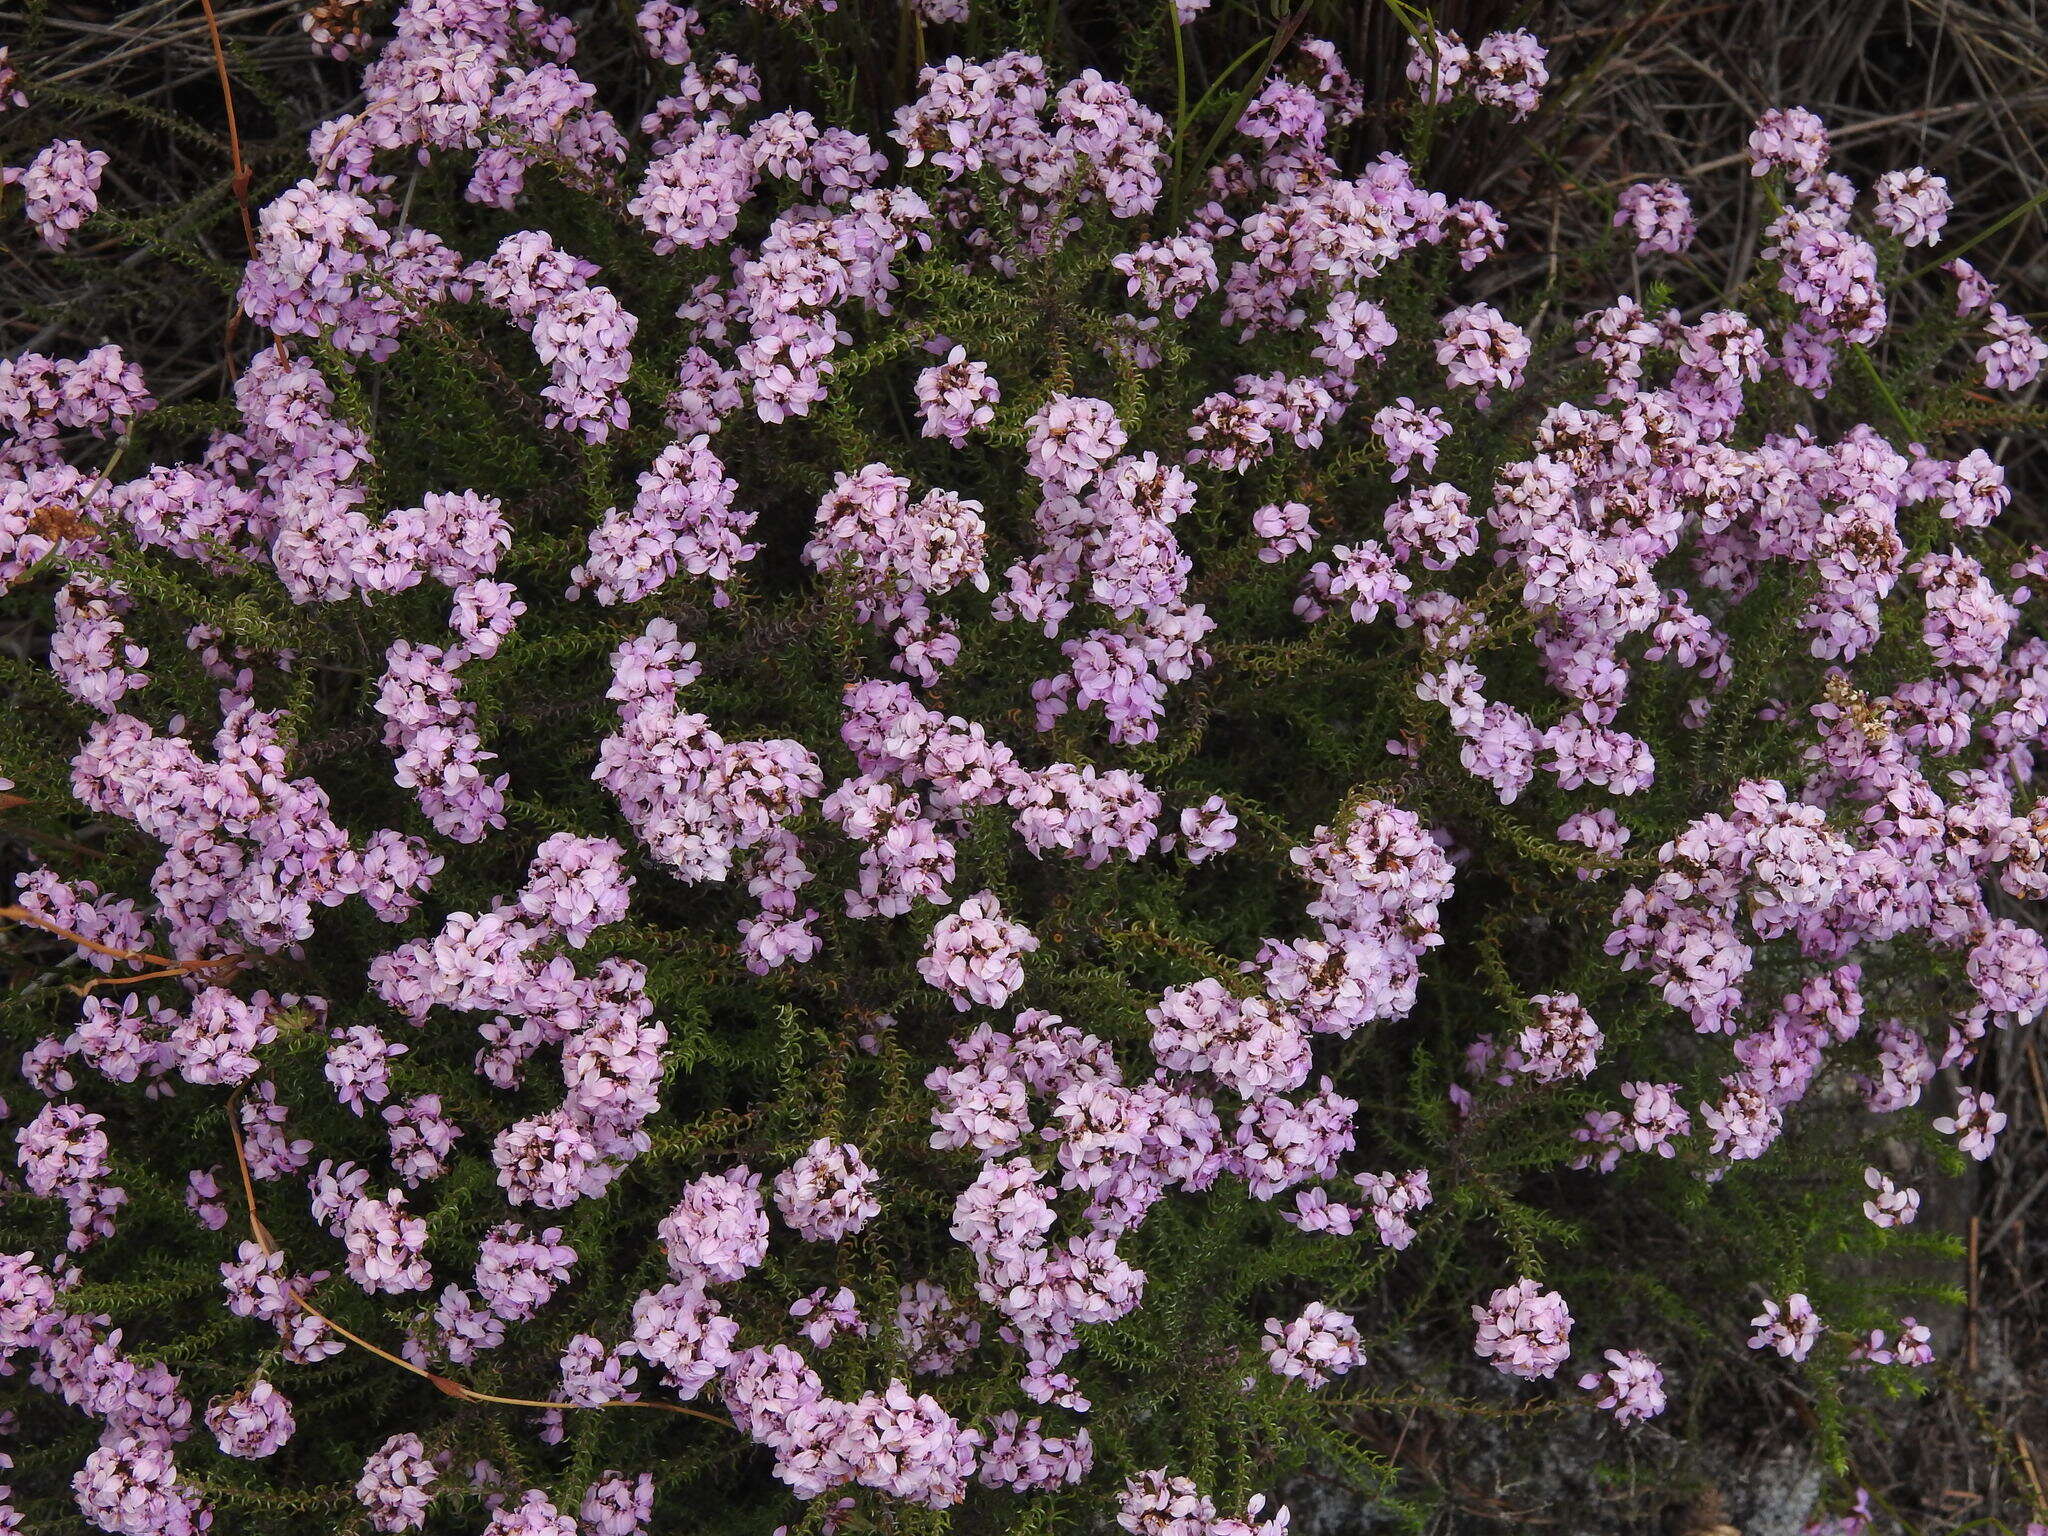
(975, 826)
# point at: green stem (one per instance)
(1982, 235)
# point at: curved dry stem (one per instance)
(451, 1387)
(221, 965)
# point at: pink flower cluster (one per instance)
(1659, 215)
(1157, 1503)
(1055, 1144)
(1316, 1346)
(60, 187)
(1507, 69)
(581, 332)
(1524, 1330)
(1631, 1388)
(129, 1486)
(682, 520)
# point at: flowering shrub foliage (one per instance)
(1012, 814)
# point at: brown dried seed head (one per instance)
(51, 521)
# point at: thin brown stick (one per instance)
(455, 1389)
(29, 919)
(242, 175)
(2019, 1443)
(1580, 34)
(160, 36)
(2040, 1087)
(183, 969)
(166, 965)
(1970, 1317)
(2018, 1210)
